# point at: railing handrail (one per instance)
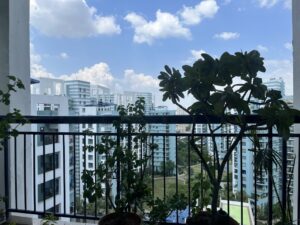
(162, 119)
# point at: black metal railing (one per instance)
(40, 178)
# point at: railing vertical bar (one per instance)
(255, 186)
(228, 194)
(270, 174)
(25, 173)
(141, 155)
(241, 181)
(118, 166)
(106, 185)
(64, 171)
(129, 166)
(284, 179)
(44, 173)
(95, 166)
(54, 175)
(74, 173)
(164, 165)
(189, 175)
(16, 169)
(6, 176)
(176, 171)
(34, 174)
(298, 194)
(152, 165)
(201, 173)
(84, 165)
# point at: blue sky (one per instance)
(125, 44)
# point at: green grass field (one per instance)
(235, 213)
(170, 186)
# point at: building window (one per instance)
(90, 165)
(48, 139)
(51, 189)
(83, 110)
(49, 163)
(56, 209)
(90, 157)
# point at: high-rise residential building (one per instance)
(89, 159)
(276, 84)
(243, 167)
(79, 93)
(182, 128)
(130, 97)
(98, 92)
(86, 99)
(166, 144)
(48, 86)
(53, 170)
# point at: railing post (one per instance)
(270, 174)
(284, 180)
(118, 166)
(6, 175)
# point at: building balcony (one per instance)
(45, 176)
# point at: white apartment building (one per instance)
(243, 167)
(48, 86)
(89, 159)
(166, 146)
(56, 177)
(79, 93)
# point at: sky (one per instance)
(125, 44)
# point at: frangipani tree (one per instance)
(224, 86)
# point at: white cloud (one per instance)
(64, 55)
(226, 2)
(283, 69)
(70, 18)
(194, 15)
(267, 3)
(165, 25)
(262, 48)
(38, 70)
(288, 4)
(168, 25)
(34, 56)
(227, 36)
(195, 55)
(97, 74)
(139, 81)
(288, 45)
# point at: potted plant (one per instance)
(221, 87)
(126, 160)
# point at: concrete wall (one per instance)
(296, 55)
(14, 60)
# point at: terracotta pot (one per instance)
(120, 219)
(205, 218)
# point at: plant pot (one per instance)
(124, 218)
(205, 218)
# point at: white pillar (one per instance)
(15, 60)
(296, 56)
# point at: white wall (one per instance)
(14, 60)
(296, 55)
